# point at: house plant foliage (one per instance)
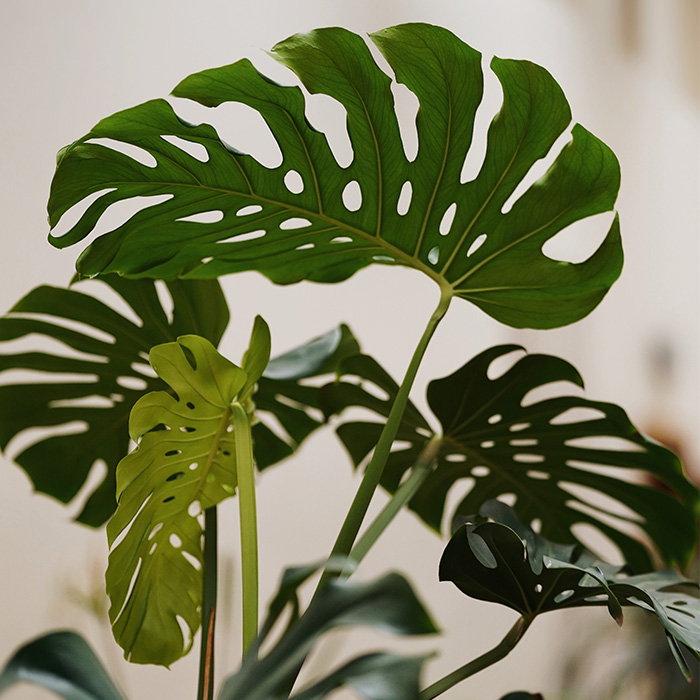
(203, 424)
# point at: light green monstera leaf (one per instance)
(185, 462)
(225, 212)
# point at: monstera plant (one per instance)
(201, 425)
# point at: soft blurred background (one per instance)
(630, 70)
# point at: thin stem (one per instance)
(500, 651)
(373, 473)
(209, 590)
(248, 520)
(401, 497)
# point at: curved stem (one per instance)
(373, 473)
(248, 520)
(401, 497)
(205, 689)
(500, 651)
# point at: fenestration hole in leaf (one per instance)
(352, 196)
(406, 106)
(341, 239)
(250, 209)
(71, 217)
(577, 415)
(480, 471)
(204, 217)
(305, 246)
(578, 241)
(294, 223)
(328, 116)
(168, 499)
(249, 236)
(294, 182)
(525, 458)
(190, 405)
(404, 202)
(175, 541)
(198, 151)
(175, 476)
(447, 219)
(495, 418)
(172, 453)
(140, 155)
(476, 244)
(434, 255)
(564, 595)
(133, 383)
(499, 366)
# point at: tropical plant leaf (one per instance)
(388, 604)
(63, 663)
(106, 376)
(185, 462)
(226, 212)
(505, 562)
(283, 393)
(551, 461)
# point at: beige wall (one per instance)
(64, 64)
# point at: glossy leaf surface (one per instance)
(185, 462)
(505, 562)
(563, 459)
(93, 374)
(388, 604)
(63, 663)
(225, 212)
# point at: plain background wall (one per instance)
(629, 71)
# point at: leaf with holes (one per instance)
(284, 395)
(214, 211)
(185, 462)
(504, 562)
(63, 663)
(388, 604)
(93, 377)
(561, 468)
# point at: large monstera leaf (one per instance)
(226, 212)
(555, 464)
(502, 561)
(185, 462)
(98, 382)
(388, 604)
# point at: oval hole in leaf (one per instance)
(133, 383)
(517, 427)
(447, 219)
(538, 169)
(495, 418)
(194, 509)
(406, 105)
(198, 151)
(327, 115)
(476, 244)
(535, 474)
(434, 255)
(245, 129)
(404, 201)
(341, 239)
(294, 223)
(191, 559)
(204, 217)
(250, 236)
(599, 502)
(352, 195)
(140, 155)
(491, 103)
(548, 391)
(294, 182)
(577, 242)
(563, 596)
(156, 529)
(250, 209)
(577, 415)
(510, 499)
(523, 443)
(606, 442)
(175, 476)
(487, 444)
(525, 458)
(480, 471)
(456, 458)
(305, 246)
(175, 541)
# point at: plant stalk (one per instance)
(205, 689)
(500, 651)
(373, 473)
(404, 493)
(248, 520)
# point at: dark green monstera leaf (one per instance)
(539, 453)
(283, 392)
(186, 461)
(502, 561)
(224, 212)
(388, 604)
(97, 385)
(63, 663)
